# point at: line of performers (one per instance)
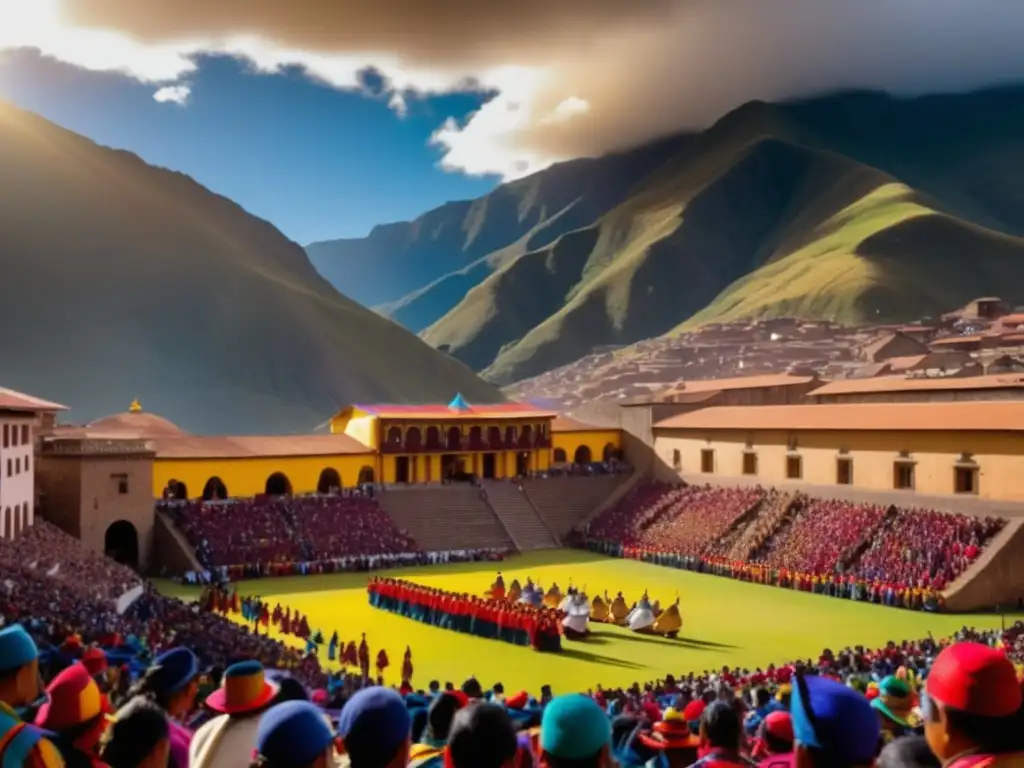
(577, 610)
(519, 624)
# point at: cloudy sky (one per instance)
(406, 103)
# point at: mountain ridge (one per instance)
(726, 224)
(140, 282)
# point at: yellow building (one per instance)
(367, 443)
(966, 448)
(430, 443)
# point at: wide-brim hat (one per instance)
(672, 732)
(244, 688)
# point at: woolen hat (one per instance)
(574, 727)
(17, 648)
(373, 725)
(975, 679)
(294, 733)
(835, 719)
(173, 670)
(895, 701)
(74, 699)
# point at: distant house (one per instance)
(891, 345)
(987, 308)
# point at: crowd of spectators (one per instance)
(869, 552)
(192, 688)
(276, 533)
(822, 537)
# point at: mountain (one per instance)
(854, 207)
(121, 280)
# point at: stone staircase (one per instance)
(523, 523)
(446, 517)
(171, 548)
(565, 502)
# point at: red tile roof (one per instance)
(902, 384)
(197, 447)
(973, 416)
(569, 424)
(738, 382)
(445, 413)
(10, 400)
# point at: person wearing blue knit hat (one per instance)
(575, 731)
(22, 743)
(294, 734)
(374, 727)
(833, 725)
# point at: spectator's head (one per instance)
(834, 726)
(294, 734)
(776, 734)
(440, 715)
(76, 708)
(19, 668)
(290, 689)
(908, 752)
(720, 726)
(482, 736)
(172, 681)
(138, 737)
(972, 701)
(575, 733)
(473, 689)
(375, 729)
(434, 687)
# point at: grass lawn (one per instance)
(724, 622)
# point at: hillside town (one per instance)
(983, 338)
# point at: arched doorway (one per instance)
(454, 442)
(394, 438)
(582, 455)
(433, 439)
(215, 490)
(609, 452)
(413, 439)
(329, 481)
(121, 543)
(522, 463)
(560, 457)
(366, 475)
(278, 484)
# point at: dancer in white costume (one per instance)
(641, 617)
(576, 623)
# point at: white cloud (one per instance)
(573, 77)
(175, 94)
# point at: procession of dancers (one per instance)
(578, 610)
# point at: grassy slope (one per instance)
(724, 622)
(138, 282)
(731, 227)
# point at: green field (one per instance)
(725, 622)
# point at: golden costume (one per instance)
(619, 610)
(554, 596)
(669, 622)
(599, 609)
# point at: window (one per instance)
(122, 483)
(903, 475)
(965, 479)
(24, 434)
(677, 459)
(707, 461)
(749, 463)
(17, 466)
(794, 467)
(7, 435)
(10, 467)
(844, 471)
(791, 442)
(14, 436)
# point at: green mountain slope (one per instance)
(121, 280)
(416, 271)
(854, 208)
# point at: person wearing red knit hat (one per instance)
(972, 708)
